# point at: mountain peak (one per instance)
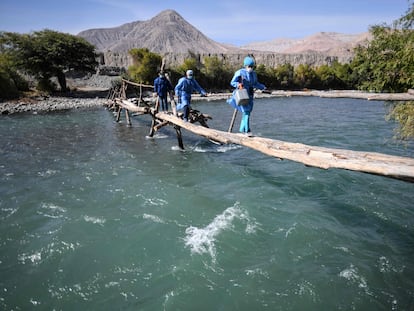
(167, 32)
(168, 14)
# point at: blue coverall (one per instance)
(184, 89)
(249, 81)
(162, 86)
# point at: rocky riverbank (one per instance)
(88, 91)
(96, 97)
(48, 104)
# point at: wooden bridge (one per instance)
(367, 162)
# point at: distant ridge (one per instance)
(171, 36)
(331, 43)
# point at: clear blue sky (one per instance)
(225, 21)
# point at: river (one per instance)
(95, 216)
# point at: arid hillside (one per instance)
(171, 36)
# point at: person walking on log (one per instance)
(184, 88)
(246, 78)
(162, 87)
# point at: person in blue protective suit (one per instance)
(161, 87)
(184, 88)
(245, 77)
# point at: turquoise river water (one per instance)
(95, 216)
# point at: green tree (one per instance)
(45, 54)
(326, 76)
(145, 65)
(305, 76)
(198, 69)
(265, 75)
(343, 75)
(216, 73)
(403, 113)
(285, 75)
(189, 63)
(387, 62)
(11, 82)
(334, 76)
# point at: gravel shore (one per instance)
(97, 98)
(36, 105)
(91, 91)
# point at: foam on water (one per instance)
(306, 288)
(353, 276)
(47, 173)
(7, 212)
(95, 220)
(385, 266)
(33, 258)
(213, 148)
(153, 218)
(202, 240)
(152, 201)
(54, 248)
(51, 210)
(176, 148)
(157, 136)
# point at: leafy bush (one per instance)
(403, 113)
(11, 82)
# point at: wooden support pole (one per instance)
(157, 104)
(137, 84)
(179, 136)
(233, 118)
(152, 129)
(118, 114)
(160, 125)
(129, 107)
(127, 117)
(154, 119)
(173, 105)
(123, 91)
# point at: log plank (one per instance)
(132, 107)
(368, 162)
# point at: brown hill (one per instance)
(332, 43)
(174, 38)
(167, 32)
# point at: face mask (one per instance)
(249, 69)
(189, 77)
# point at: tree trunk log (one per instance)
(62, 81)
(368, 162)
(132, 107)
